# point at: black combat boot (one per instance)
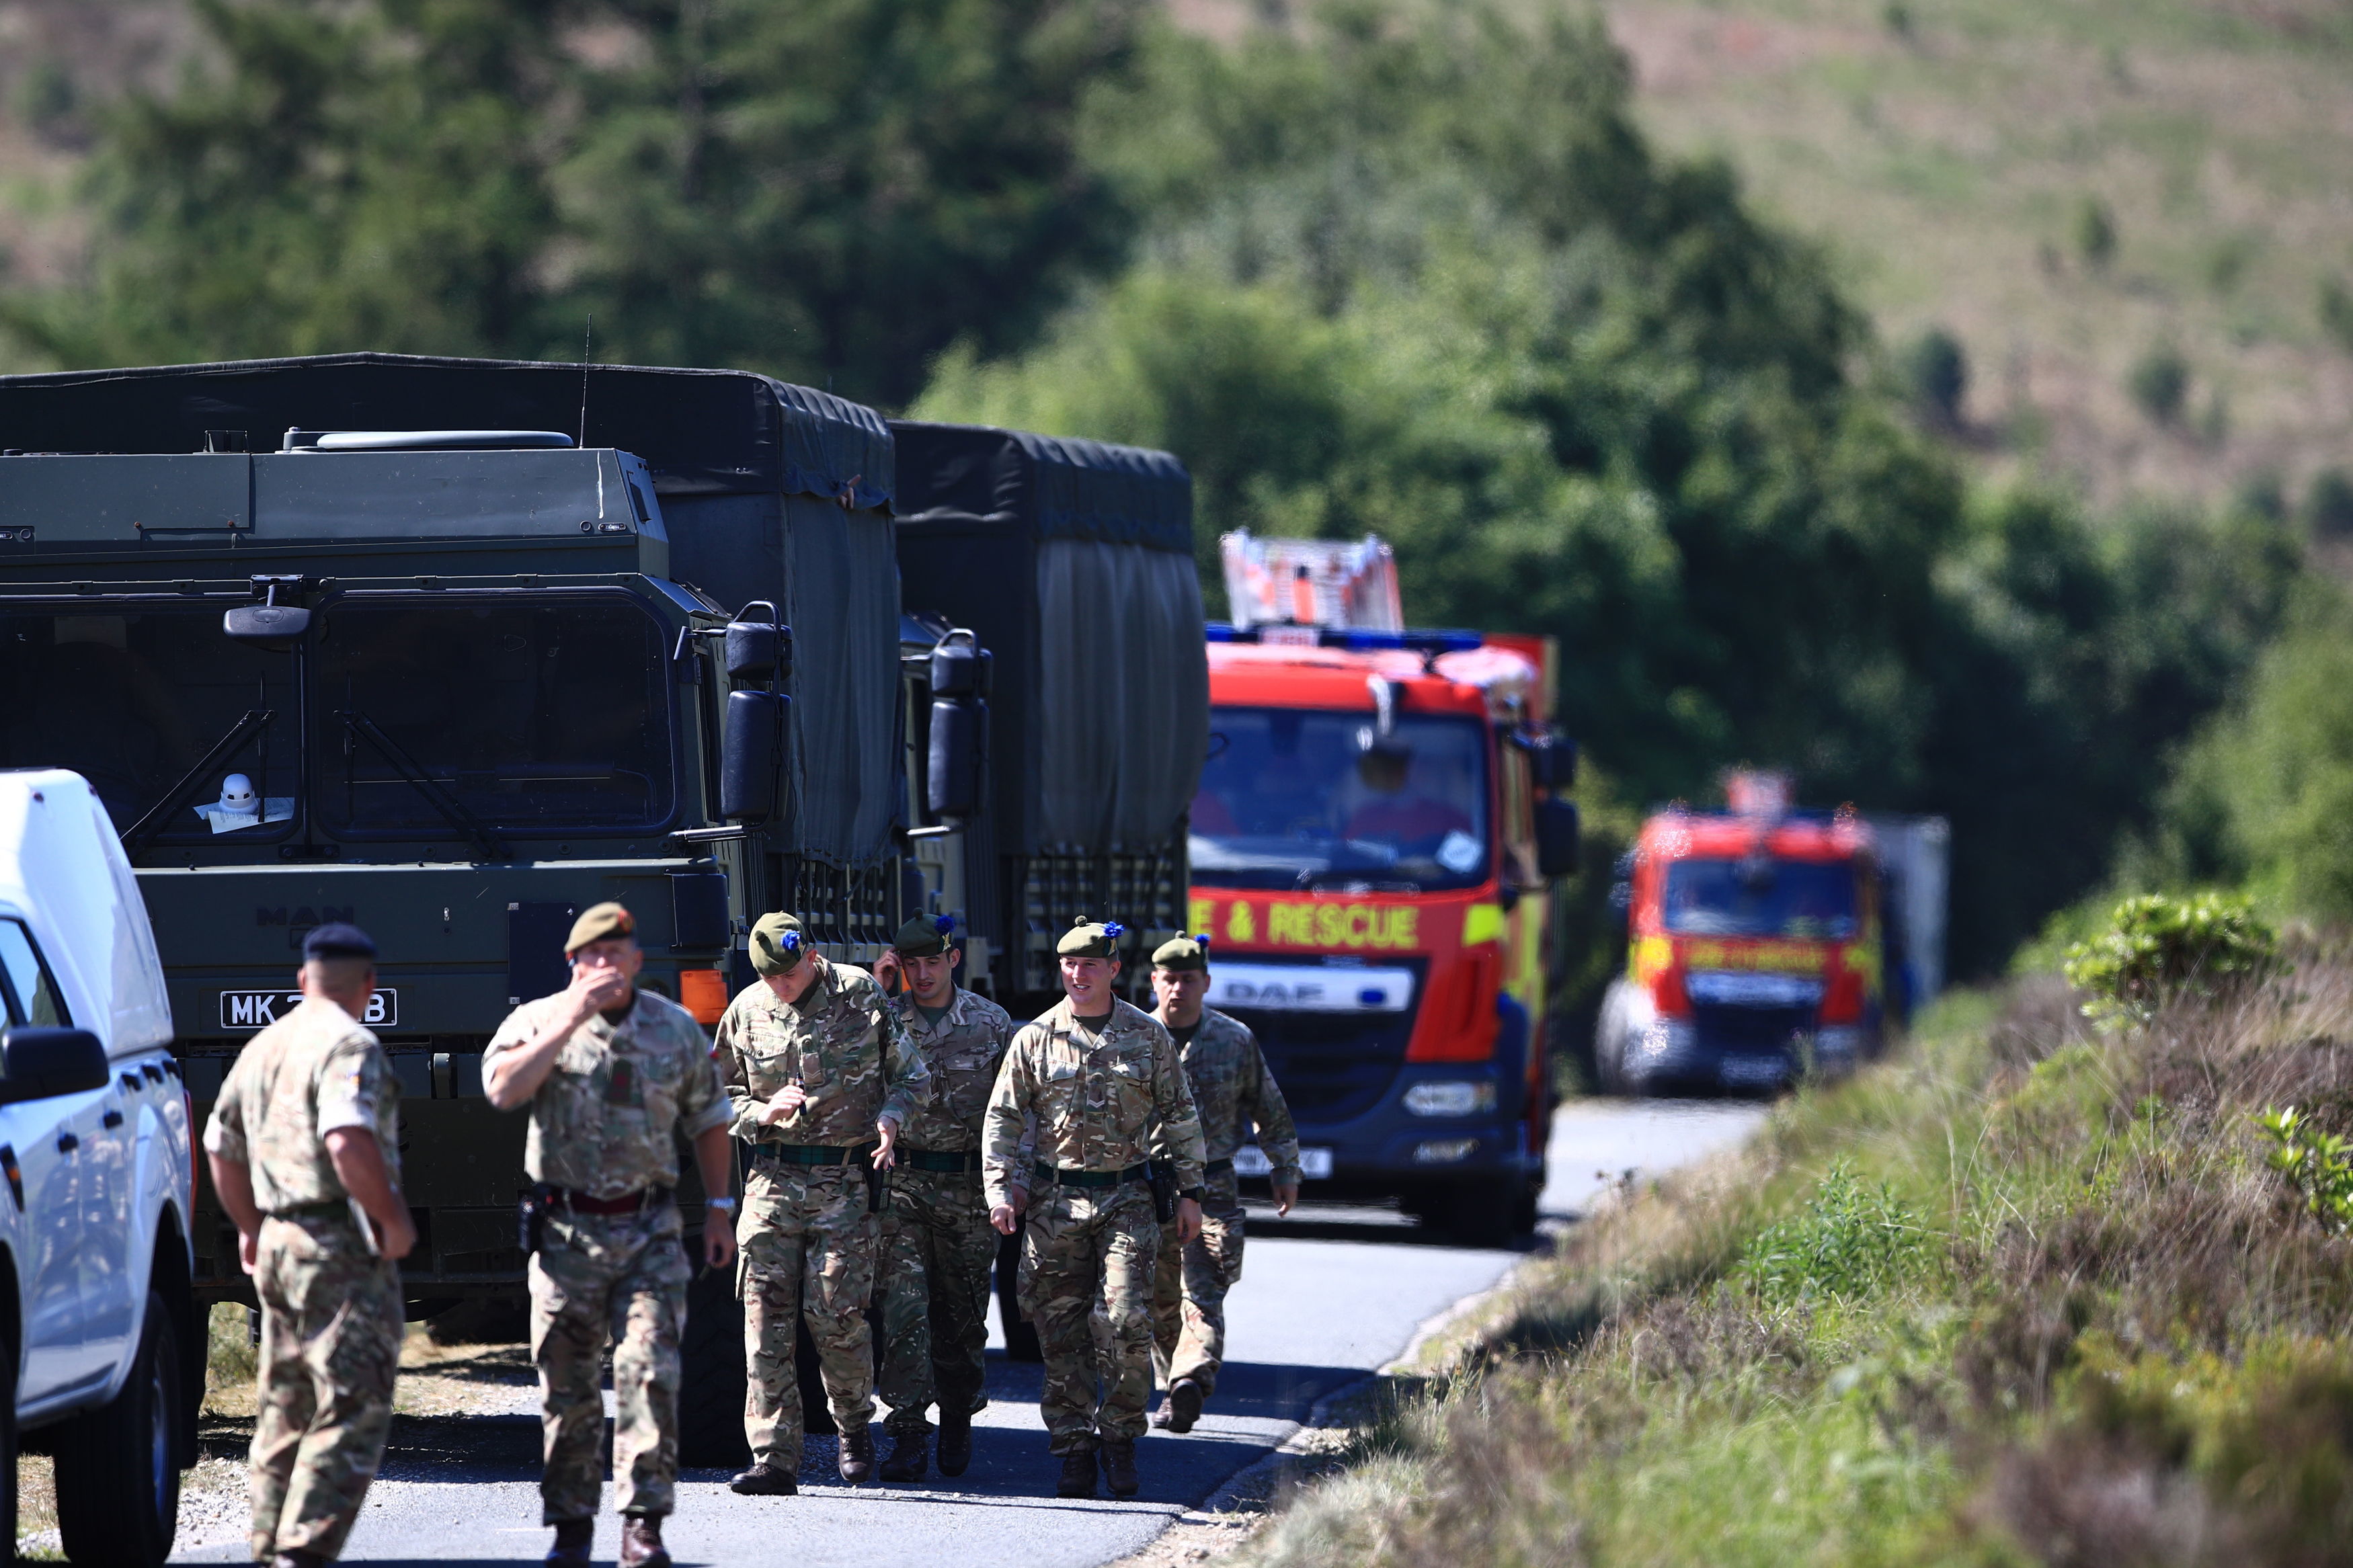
(641, 1543)
(1078, 1475)
(1118, 1465)
(955, 1441)
(907, 1458)
(857, 1461)
(1183, 1406)
(308, 1559)
(764, 1480)
(574, 1539)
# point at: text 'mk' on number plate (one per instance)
(260, 1009)
(1249, 1159)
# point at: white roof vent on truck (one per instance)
(423, 440)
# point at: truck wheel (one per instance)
(711, 1402)
(1020, 1335)
(118, 1478)
(1485, 1213)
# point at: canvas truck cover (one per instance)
(768, 491)
(1072, 561)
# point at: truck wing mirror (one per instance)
(959, 743)
(758, 650)
(752, 755)
(38, 1064)
(1552, 758)
(1558, 837)
(961, 667)
(268, 624)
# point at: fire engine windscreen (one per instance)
(1761, 897)
(1296, 798)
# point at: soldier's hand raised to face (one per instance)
(595, 988)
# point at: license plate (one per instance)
(260, 1009)
(1249, 1159)
(1752, 1069)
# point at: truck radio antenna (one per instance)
(587, 337)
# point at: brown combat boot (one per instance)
(1118, 1465)
(641, 1543)
(1183, 1406)
(764, 1480)
(575, 1540)
(908, 1457)
(857, 1461)
(955, 1441)
(1078, 1475)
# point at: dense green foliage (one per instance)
(1402, 265)
(2157, 950)
(1853, 1240)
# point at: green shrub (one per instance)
(2318, 1166)
(1937, 375)
(2095, 233)
(1850, 1241)
(2158, 949)
(2336, 311)
(2328, 504)
(2160, 383)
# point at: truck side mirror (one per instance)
(961, 669)
(758, 649)
(268, 624)
(959, 742)
(38, 1064)
(1558, 838)
(752, 755)
(1552, 758)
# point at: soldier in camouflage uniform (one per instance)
(614, 1078)
(937, 1244)
(1102, 1083)
(1234, 1092)
(304, 1146)
(821, 1079)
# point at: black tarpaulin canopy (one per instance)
(707, 431)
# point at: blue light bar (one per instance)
(1359, 641)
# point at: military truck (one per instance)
(1059, 575)
(453, 649)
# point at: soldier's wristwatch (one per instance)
(724, 1206)
(1195, 1193)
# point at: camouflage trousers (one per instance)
(331, 1328)
(1189, 1291)
(1088, 1255)
(937, 1249)
(622, 1279)
(809, 1251)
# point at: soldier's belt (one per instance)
(933, 1159)
(627, 1203)
(809, 1153)
(326, 1208)
(1219, 1167)
(1055, 1175)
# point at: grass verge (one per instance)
(2026, 1293)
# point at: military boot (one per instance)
(641, 1543)
(1118, 1465)
(1183, 1406)
(574, 1539)
(1078, 1475)
(857, 1461)
(764, 1480)
(955, 1441)
(907, 1458)
(309, 1560)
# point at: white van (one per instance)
(99, 1341)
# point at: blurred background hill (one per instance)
(1942, 402)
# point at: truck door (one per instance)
(48, 1138)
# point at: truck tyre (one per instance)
(118, 1475)
(710, 1400)
(1484, 1213)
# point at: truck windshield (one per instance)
(132, 698)
(1292, 797)
(1761, 898)
(533, 715)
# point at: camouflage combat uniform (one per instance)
(937, 1244)
(808, 1235)
(605, 1125)
(1233, 1090)
(1103, 1104)
(330, 1309)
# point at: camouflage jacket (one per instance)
(1234, 1092)
(964, 1054)
(311, 1073)
(607, 1120)
(840, 1042)
(1100, 1103)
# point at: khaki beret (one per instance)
(924, 936)
(777, 945)
(1183, 952)
(597, 923)
(1091, 939)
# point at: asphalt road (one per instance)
(1327, 1295)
